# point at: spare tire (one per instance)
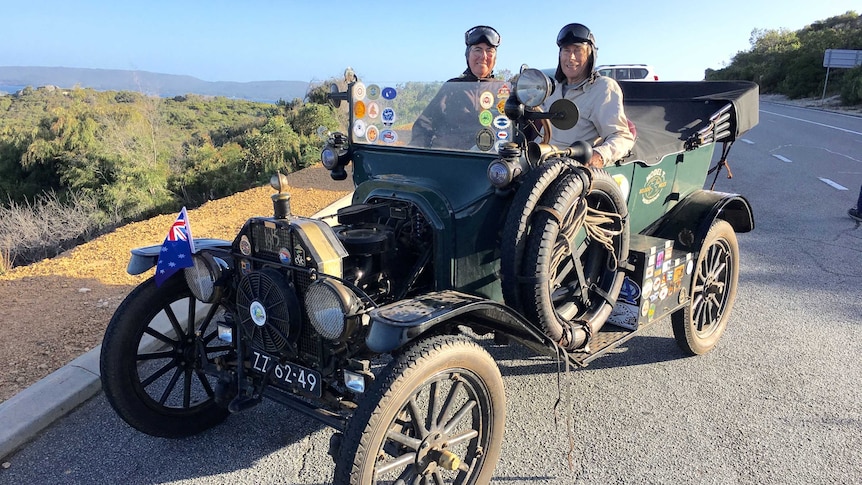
(514, 237)
(570, 270)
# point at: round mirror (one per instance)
(533, 87)
(564, 114)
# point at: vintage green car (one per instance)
(373, 321)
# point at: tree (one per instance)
(791, 63)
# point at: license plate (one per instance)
(289, 376)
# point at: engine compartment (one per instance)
(390, 244)
(379, 252)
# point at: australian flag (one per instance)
(177, 249)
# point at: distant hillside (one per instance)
(13, 78)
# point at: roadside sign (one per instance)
(844, 58)
(840, 58)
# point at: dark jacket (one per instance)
(455, 105)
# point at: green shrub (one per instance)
(851, 91)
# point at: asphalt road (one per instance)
(777, 402)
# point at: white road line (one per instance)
(814, 123)
(832, 184)
(746, 140)
(786, 160)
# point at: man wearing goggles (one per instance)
(599, 99)
(455, 105)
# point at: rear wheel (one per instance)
(436, 415)
(152, 357)
(698, 326)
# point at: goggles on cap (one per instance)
(574, 33)
(480, 32)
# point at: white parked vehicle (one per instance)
(628, 72)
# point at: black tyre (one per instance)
(436, 415)
(698, 326)
(572, 275)
(151, 361)
(516, 228)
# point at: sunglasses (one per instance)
(480, 32)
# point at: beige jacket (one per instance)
(602, 120)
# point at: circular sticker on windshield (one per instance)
(485, 118)
(372, 133)
(388, 136)
(372, 92)
(358, 91)
(373, 110)
(388, 93)
(501, 106)
(359, 110)
(486, 100)
(501, 122)
(388, 116)
(358, 129)
(485, 139)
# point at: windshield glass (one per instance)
(463, 116)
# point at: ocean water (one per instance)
(11, 88)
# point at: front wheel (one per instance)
(152, 360)
(436, 415)
(698, 326)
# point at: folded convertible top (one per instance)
(669, 115)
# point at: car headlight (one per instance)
(203, 277)
(334, 152)
(508, 167)
(533, 87)
(328, 158)
(331, 308)
(499, 174)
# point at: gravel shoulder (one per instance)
(58, 308)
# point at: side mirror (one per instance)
(564, 114)
(336, 96)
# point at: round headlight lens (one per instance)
(498, 174)
(329, 304)
(533, 87)
(328, 158)
(201, 278)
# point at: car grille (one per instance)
(268, 243)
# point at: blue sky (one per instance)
(383, 41)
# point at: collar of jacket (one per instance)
(468, 75)
(591, 79)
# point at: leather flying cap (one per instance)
(482, 33)
(574, 33)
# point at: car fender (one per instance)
(396, 324)
(146, 257)
(688, 221)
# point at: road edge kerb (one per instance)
(26, 414)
